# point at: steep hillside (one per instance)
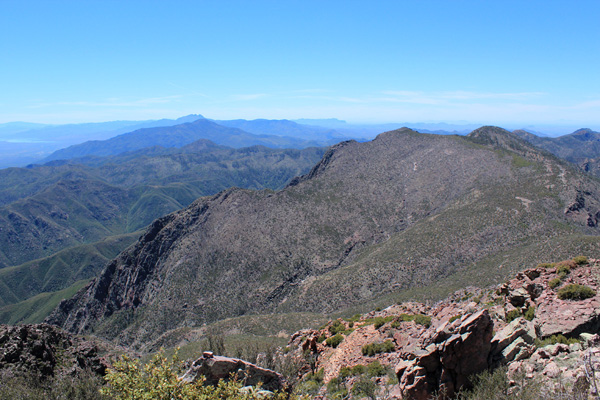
(371, 219)
(46, 209)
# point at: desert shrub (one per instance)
(336, 327)
(395, 324)
(563, 268)
(496, 386)
(553, 283)
(546, 265)
(513, 314)
(418, 318)
(358, 369)
(336, 389)
(321, 338)
(379, 322)
(345, 372)
(530, 313)
(375, 369)
(334, 341)
(423, 320)
(580, 260)
(365, 387)
(351, 324)
(354, 318)
(375, 348)
(576, 292)
(555, 339)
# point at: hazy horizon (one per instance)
(500, 63)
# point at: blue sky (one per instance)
(492, 62)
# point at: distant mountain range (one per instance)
(404, 213)
(183, 134)
(22, 143)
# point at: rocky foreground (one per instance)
(540, 326)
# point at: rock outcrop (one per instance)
(215, 368)
(45, 351)
(458, 351)
(439, 348)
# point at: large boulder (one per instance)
(514, 342)
(458, 351)
(215, 368)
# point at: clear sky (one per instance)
(481, 61)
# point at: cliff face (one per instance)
(404, 210)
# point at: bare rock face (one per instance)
(214, 368)
(458, 351)
(46, 350)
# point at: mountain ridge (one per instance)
(352, 229)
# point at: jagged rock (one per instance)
(513, 342)
(447, 365)
(215, 368)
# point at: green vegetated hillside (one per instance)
(402, 215)
(49, 208)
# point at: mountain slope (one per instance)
(46, 209)
(370, 219)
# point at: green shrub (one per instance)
(345, 372)
(365, 387)
(530, 313)
(576, 292)
(334, 341)
(375, 348)
(564, 268)
(395, 324)
(553, 283)
(336, 389)
(379, 322)
(418, 318)
(358, 369)
(128, 380)
(546, 265)
(513, 314)
(321, 338)
(580, 260)
(555, 339)
(375, 369)
(455, 317)
(336, 327)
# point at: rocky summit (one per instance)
(406, 211)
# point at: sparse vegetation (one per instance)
(513, 314)
(335, 340)
(418, 318)
(555, 339)
(529, 315)
(580, 260)
(576, 292)
(336, 327)
(376, 348)
(554, 283)
(546, 265)
(375, 369)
